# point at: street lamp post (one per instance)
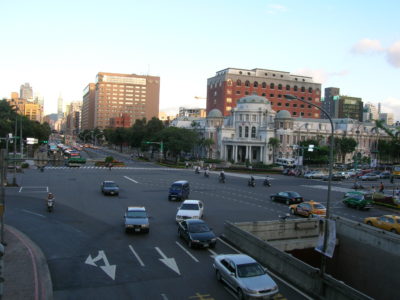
(328, 200)
(299, 147)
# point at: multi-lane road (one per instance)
(90, 256)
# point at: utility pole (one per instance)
(2, 191)
(14, 182)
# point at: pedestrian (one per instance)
(373, 189)
(381, 187)
(397, 191)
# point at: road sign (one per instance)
(31, 141)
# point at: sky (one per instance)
(60, 46)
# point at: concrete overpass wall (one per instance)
(368, 259)
(302, 275)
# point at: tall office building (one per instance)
(372, 112)
(342, 106)
(60, 107)
(229, 85)
(329, 102)
(26, 91)
(134, 96)
(88, 107)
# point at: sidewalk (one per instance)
(26, 273)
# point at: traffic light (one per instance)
(44, 142)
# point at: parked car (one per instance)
(287, 197)
(385, 175)
(136, 219)
(109, 188)
(360, 200)
(335, 177)
(386, 222)
(245, 276)
(308, 209)
(197, 233)
(314, 175)
(190, 209)
(345, 174)
(369, 177)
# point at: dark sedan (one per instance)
(287, 197)
(335, 177)
(110, 188)
(196, 233)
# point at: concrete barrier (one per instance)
(302, 275)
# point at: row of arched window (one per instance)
(272, 86)
(246, 131)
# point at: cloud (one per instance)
(319, 75)
(276, 8)
(393, 54)
(367, 46)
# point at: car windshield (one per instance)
(250, 270)
(176, 187)
(294, 194)
(357, 196)
(189, 206)
(197, 228)
(318, 206)
(110, 184)
(136, 214)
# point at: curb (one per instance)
(42, 279)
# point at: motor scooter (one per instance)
(251, 182)
(50, 205)
(267, 182)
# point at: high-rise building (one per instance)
(87, 117)
(73, 117)
(372, 112)
(229, 85)
(329, 102)
(26, 91)
(388, 118)
(60, 107)
(115, 94)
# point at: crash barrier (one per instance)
(297, 272)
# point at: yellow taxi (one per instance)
(386, 222)
(308, 209)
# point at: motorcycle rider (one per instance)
(266, 181)
(252, 181)
(206, 172)
(197, 170)
(222, 176)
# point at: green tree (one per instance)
(274, 144)
(177, 140)
(345, 145)
(319, 155)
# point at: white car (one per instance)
(190, 209)
(315, 175)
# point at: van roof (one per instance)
(181, 182)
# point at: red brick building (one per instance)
(229, 85)
(124, 120)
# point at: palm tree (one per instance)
(274, 143)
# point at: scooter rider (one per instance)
(251, 181)
(222, 176)
(197, 170)
(206, 172)
(266, 181)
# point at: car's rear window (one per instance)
(110, 184)
(319, 206)
(136, 214)
(294, 194)
(176, 187)
(197, 228)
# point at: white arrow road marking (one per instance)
(131, 179)
(187, 252)
(137, 256)
(107, 268)
(169, 262)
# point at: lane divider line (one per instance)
(187, 252)
(136, 255)
(33, 213)
(131, 179)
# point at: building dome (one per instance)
(253, 99)
(283, 114)
(214, 113)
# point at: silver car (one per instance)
(136, 219)
(244, 276)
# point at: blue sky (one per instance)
(60, 46)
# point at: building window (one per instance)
(272, 86)
(279, 104)
(253, 132)
(279, 86)
(255, 84)
(246, 92)
(266, 74)
(241, 117)
(294, 104)
(310, 89)
(248, 73)
(294, 113)
(264, 85)
(309, 106)
(317, 92)
(303, 89)
(271, 95)
(288, 87)
(228, 100)
(238, 82)
(254, 118)
(287, 104)
(280, 124)
(302, 105)
(309, 98)
(240, 72)
(240, 130)
(237, 92)
(247, 83)
(281, 139)
(264, 94)
(302, 98)
(295, 88)
(302, 114)
(228, 108)
(279, 96)
(247, 117)
(246, 131)
(229, 82)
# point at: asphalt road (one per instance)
(90, 256)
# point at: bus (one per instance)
(396, 171)
(285, 162)
(73, 158)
